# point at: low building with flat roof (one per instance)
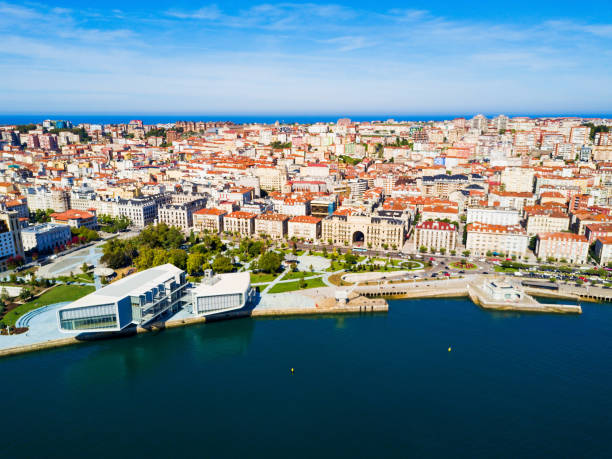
(134, 300)
(222, 292)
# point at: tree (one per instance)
(25, 294)
(269, 262)
(466, 253)
(85, 268)
(178, 258)
(442, 250)
(195, 262)
(349, 258)
(422, 249)
(4, 296)
(222, 264)
(453, 252)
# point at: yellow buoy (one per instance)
(292, 370)
(449, 349)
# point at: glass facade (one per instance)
(88, 318)
(218, 302)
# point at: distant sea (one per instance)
(246, 119)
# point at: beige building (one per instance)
(548, 222)
(518, 179)
(43, 199)
(509, 240)
(563, 246)
(305, 227)
(271, 225)
(179, 215)
(242, 223)
(210, 220)
(361, 230)
(436, 235)
(271, 178)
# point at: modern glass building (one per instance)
(135, 300)
(222, 292)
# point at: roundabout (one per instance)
(467, 266)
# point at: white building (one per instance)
(134, 300)
(436, 235)
(222, 292)
(45, 236)
(304, 227)
(493, 215)
(571, 247)
(499, 239)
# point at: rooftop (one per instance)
(222, 284)
(133, 285)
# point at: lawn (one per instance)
(292, 286)
(298, 274)
(500, 269)
(57, 294)
(335, 266)
(260, 278)
(80, 277)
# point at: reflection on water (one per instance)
(124, 357)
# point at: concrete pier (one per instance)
(460, 288)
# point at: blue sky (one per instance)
(306, 58)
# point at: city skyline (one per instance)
(313, 58)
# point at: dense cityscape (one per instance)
(198, 218)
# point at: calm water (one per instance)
(22, 118)
(365, 386)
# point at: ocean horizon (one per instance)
(9, 119)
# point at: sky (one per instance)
(410, 57)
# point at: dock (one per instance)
(473, 289)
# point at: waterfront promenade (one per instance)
(43, 332)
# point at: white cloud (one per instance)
(297, 58)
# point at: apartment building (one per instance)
(11, 245)
(596, 231)
(208, 220)
(518, 179)
(18, 205)
(305, 227)
(603, 250)
(179, 215)
(43, 199)
(436, 235)
(440, 213)
(271, 178)
(442, 185)
(493, 215)
(563, 246)
(546, 222)
(511, 199)
(271, 225)
(501, 239)
(242, 223)
(140, 211)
